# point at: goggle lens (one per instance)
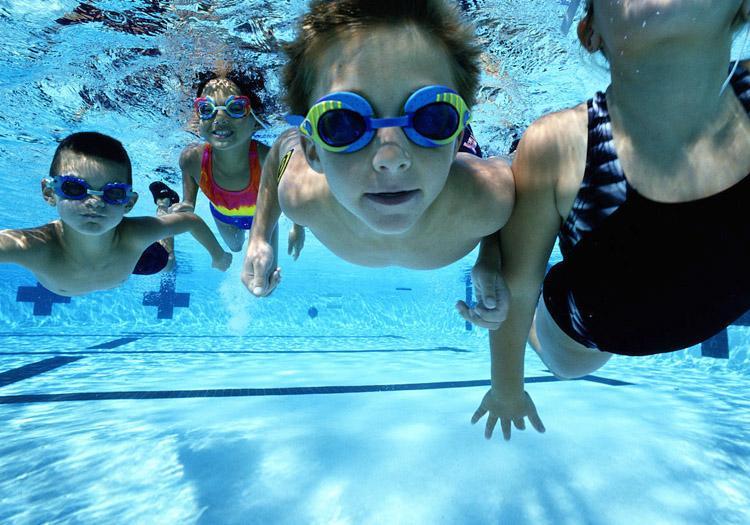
(237, 108)
(73, 189)
(115, 195)
(341, 127)
(205, 109)
(437, 121)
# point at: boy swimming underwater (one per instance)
(381, 94)
(93, 246)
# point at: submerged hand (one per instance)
(222, 262)
(258, 276)
(296, 241)
(181, 206)
(492, 296)
(507, 409)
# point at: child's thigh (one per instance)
(564, 356)
(232, 235)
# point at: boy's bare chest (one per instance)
(433, 248)
(68, 277)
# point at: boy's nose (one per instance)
(94, 201)
(392, 151)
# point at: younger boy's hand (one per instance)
(258, 276)
(296, 241)
(492, 296)
(222, 262)
(507, 409)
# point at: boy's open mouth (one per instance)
(392, 198)
(222, 133)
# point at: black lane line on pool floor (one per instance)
(260, 392)
(199, 336)
(114, 344)
(213, 352)
(34, 369)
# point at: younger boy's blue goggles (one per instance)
(71, 187)
(343, 122)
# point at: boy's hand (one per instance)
(258, 276)
(492, 296)
(222, 262)
(181, 206)
(507, 409)
(296, 241)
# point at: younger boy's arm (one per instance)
(257, 273)
(14, 247)
(151, 229)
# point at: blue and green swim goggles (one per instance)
(75, 188)
(343, 122)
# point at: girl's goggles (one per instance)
(234, 106)
(343, 122)
(71, 187)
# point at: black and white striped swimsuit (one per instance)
(641, 277)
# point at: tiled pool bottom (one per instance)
(369, 430)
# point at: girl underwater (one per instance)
(646, 186)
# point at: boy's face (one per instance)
(223, 131)
(390, 183)
(90, 215)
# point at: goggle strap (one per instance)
(390, 122)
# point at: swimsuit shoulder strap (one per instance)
(255, 166)
(741, 85)
(603, 188)
(206, 173)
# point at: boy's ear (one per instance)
(311, 153)
(589, 37)
(131, 202)
(48, 194)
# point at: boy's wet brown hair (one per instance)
(92, 144)
(327, 20)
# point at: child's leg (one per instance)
(565, 357)
(232, 235)
(162, 208)
(164, 197)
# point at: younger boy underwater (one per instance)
(93, 246)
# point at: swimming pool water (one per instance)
(345, 397)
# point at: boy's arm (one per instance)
(257, 273)
(13, 246)
(147, 230)
(19, 246)
(188, 165)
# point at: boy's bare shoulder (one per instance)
(302, 191)
(484, 190)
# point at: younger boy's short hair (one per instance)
(92, 144)
(327, 20)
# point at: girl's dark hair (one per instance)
(92, 144)
(250, 84)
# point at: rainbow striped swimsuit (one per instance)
(232, 207)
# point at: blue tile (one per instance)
(717, 346)
(42, 298)
(34, 369)
(166, 299)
